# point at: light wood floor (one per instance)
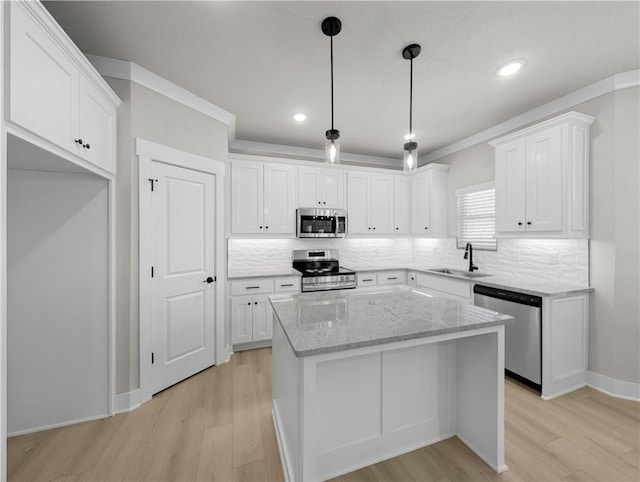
(217, 426)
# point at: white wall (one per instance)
(154, 117)
(58, 304)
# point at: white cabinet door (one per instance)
(543, 181)
(332, 189)
(279, 199)
(381, 204)
(262, 318)
(510, 186)
(420, 203)
(43, 82)
(357, 202)
(97, 127)
(309, 187)
(401, 196)
(247, 197)
(241, 319)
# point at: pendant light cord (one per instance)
(411, 102)
(331, 82)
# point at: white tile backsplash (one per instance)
(535, 259)
(539, 260)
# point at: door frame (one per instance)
(149, 152)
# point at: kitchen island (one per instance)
(362, 376)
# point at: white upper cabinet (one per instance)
(320, 188)
(369, 203)
(401, 200)
(429, 201)
(54, 92)
(542, 179)
(262, 198)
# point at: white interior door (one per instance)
(183, 258)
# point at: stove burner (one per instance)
(325, 269)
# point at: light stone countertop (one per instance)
(263, 274)
(330, 321)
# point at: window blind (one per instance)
(477, 218)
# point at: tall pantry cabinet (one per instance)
(58, 133)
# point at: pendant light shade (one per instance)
(331, 27)
(410, 52)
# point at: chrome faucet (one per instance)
(468, 254)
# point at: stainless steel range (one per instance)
(321, 270)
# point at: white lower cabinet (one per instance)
(443, 286)
(564, 344)
(251, 312)
(396, 277)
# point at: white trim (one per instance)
(615, 82)
(475, 188)
(57, 425)
(147, 153)
(125, 70)
(126, 402)
(614, 388)
(257, 148)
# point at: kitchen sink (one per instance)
(459, 272)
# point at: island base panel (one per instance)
(338, 412)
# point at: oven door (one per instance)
(318, 224)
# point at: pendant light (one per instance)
(331, 27)
(410, 52)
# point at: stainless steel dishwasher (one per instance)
(523, 336)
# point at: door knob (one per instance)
(209, 280)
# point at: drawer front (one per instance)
(289, 283)
(367, 279)
(251, 286)
(445, 285)
(398, 277)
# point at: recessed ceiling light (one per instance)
(510, 68)
(408, 137)
(299, 117)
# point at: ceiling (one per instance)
(263, 61)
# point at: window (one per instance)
(477, 217)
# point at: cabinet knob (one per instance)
(255, 302)
(249, 303)
(319, 202)
(397, 228)
(266, 227)
(369, 228)
(528, 223)
(324, 202)
(86, 146)
(374, 229)
(519, 224)
(426, 227)
(260, 227)
(78, 141)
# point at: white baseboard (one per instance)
(613, 387)
(56, 425)
(125, 402)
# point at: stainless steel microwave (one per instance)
(321, 223)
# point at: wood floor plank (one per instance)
(391, 470)
(251, 472)
(216, 455)
(220, 396)
(247, 434)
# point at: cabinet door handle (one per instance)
(393, 277)
(252, 287)
(365, 280)
(86, 146)
(288, 284)
(78, 141)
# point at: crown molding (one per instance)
(264, 148)
(125, 70)
(624, 80)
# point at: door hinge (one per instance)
(152, 271)
(152, 358)
(152, 181)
